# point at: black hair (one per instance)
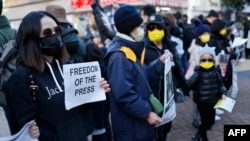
(95, 54)
(148, 10)
(28, 41)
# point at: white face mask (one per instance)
(138, 34)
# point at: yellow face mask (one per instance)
(206, 65)
(223, 31)
(205, 37)
(156, 35)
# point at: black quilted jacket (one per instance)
(207, 85)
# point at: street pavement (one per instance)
(182, 129)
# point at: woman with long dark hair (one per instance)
(41, 54)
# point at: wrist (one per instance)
(148, 115)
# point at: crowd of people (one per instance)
(131, 57)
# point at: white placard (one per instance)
(81, 81)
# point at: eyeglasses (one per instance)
(207, 60)
(49, 32)
(155, 26)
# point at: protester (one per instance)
(185, 18)
(104, 23)
(212, 15)
(100, 109)
(187, 35)
(157, 41)
(220, 39)
(246, 28)
(132, 118)
(208, 88)
(74, 44)
(6, 33)
(38, 82)
(146, 11)
(176, 36)
(203, 35)
(76, 49)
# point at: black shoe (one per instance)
(196, 123)
(196, 138)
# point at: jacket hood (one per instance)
(53, 74)
(122, 40)
(4, 22)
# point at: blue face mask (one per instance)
(52, 45)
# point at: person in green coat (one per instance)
(6, 32)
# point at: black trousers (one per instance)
(207, 115)
(162, 131)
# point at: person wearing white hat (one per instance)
(208, 88)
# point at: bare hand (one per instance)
(165, 55)
(154, 119)
(34, 130)
(223, 96)
(229, 49)
(104, 84)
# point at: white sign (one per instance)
(81, 81)
(22, 135)
(169, 111)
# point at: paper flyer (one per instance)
(226, 104)
(169, 112)
(22, 135)
(238, 41)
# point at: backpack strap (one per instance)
(8, 51)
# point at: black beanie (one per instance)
(213, 13)
(126, 19)
(217, 25)
(1, 7)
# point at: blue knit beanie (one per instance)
(200, 28)
(126, 19)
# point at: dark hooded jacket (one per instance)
(129, 96)
(6, 32)
(207, 85)
(152, 52)
(221, 43)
